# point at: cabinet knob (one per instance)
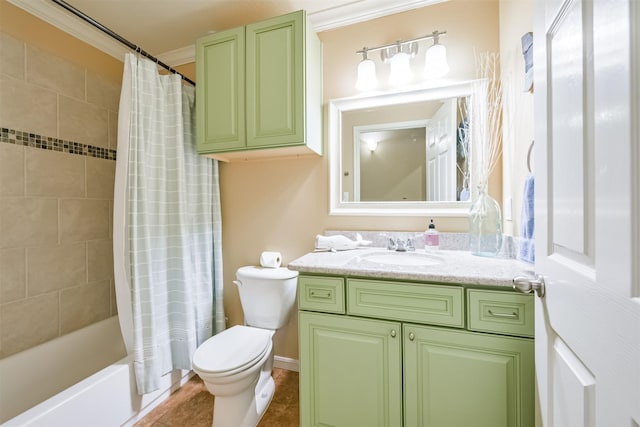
(412, 336)
(393, 333)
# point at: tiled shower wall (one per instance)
(58, 126)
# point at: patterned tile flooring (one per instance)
(192, 405)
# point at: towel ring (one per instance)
(529, 156)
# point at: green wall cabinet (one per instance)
(260, 88)
(383, 363)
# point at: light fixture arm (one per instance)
(435, 35)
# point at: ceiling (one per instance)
(168, 28)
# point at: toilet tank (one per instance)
(267, 295)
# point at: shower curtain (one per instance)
(167, 226)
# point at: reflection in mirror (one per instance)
(405, 153)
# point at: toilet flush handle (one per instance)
(238, 283)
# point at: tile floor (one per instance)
(192, 405)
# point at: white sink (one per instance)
(413, 259)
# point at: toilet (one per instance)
(235, 365)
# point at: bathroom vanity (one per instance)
(413, 339)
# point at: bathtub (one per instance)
(80, 379)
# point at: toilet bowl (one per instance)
(235, 365)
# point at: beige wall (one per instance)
(278, 204)
(516, 18)
(56, 266)
(282, 204)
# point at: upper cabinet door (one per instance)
(220, 92)
(275, 81)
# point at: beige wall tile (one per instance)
(27, 107)
(12, 275)
(113, 130)
(55, 73)
(55, 174)
(33, 321)
(103, 92)
(99, 260)
(101, 175)
(12, 53)
(84, 305)
(82, 219)
(83, 122)
(28, 222)
(51, 268)
(11, 170)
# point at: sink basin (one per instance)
(413, 259)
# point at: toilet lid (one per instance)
(255, 272)
(231, 349)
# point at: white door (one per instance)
(441, 153)
(587, 115)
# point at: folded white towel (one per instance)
(339, 242)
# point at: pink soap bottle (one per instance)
(431, 237)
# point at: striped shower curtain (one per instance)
(167, 226)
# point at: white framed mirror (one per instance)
(404, 153)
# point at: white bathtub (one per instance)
(79, 379)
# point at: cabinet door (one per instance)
(220, 92)
(350, 371)
(275, 81)
(458, 378)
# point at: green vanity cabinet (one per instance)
(260, 87)
(460, 378)
(350, 371)
(400, 353)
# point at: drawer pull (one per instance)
(513, 315)
(315, 294)
(412, 336)
(393, 333)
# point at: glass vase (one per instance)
(485, 225)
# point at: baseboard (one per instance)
(286, 363)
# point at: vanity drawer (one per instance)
(411, 302)
(500, 312)
(318, 293)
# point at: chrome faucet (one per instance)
(400, 245)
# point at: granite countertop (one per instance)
(451, 266)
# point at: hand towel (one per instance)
(527, 250)
(339, 242)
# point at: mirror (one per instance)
(404, 153)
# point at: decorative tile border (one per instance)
(12, 136)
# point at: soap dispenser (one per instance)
(431, 237)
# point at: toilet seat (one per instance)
(232, 350)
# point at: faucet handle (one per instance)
(391, 244)
(410, 245)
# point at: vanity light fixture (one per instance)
(398, 55)
(367, 79)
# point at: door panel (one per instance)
(587, 211)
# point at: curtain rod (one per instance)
(118, 37)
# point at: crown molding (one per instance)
(335, 17)
(361, 11)
(71, 24)
(183, 55)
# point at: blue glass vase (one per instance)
(485, 225)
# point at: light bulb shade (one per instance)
(435, 63)
(400, 72)
(372, 144)
(366, 79)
